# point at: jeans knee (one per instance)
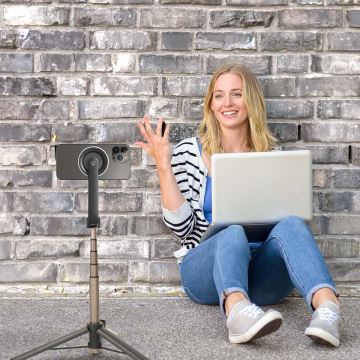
(294, 221)
(234, 237)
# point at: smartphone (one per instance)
(163, 127)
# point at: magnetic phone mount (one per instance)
(91, 153)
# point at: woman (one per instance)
(227, 269)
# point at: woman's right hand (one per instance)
(156, 145)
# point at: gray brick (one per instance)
(256, 2)
(139, 271)
(20, 178)
(193, 109)
(336, 64)
(152, 204)
(6, 250)
(13, 225)
(328, 86)
(121, 2)
(325, 154)
(16, 63)
(310, 2)
(107, 17)
(344, 41)
(140, 178)
(278, 87)
(345, 270)
(185, 86)
(164, 248)
(27, 86)
(39, 39)
(260, 65)
(292, 63)
(342, 247)
(79, 272)
(330, 132)
(56, 62)
(345, 201)
(111, 202)
(38, 202)
(127, 133)
(55, 110)
(125, 85)
(342, 224)
(19, 109)
(10, 132)
(148, 225)
(355, 155)
(225, 41)
(309, 18)
(22, 156)
(349, 109)
(83, 184)
(181, 131)
(172, 18)
(346, 178)
(176, 40)
(284, 131)
(109, 226)
(176, 64)
(328, 109)
(70, 132)
(292, 41)
(111, 109)
(124, 249)
(193, 2)
(28, 272)
(126, 40)
(236, 19)
(353, 17)
(164, 272)
(123, 62)
(36, 15)
(289, 109)
(162, 107)
(73, 86)
(321, 178)
(30, 249)
(8, 39)
(93, 62)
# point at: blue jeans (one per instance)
(225, 263)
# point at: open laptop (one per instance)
(258, 189)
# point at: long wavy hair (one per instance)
(260, 137)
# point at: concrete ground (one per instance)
(166, 329)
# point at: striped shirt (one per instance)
(188, 223)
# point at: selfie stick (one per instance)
(96, 327)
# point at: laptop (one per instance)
(258, 189)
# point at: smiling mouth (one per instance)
(229, 113)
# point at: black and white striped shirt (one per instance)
(188, 223)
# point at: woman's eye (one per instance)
(217, 97)
(237, 94)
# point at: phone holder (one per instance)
(91, 162)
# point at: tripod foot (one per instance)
(51, 344)
(111, 337)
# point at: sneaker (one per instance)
(324, 327)
(247, 322)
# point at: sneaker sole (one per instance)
(322, 337)
(269, 323)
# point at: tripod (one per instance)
(96, 327)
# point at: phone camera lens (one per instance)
(124, 149)
(116, 149)
(120, 157)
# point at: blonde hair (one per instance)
(260, 137)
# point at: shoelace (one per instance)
(251, 311)
(327, 315)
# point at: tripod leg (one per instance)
(51, 344)
(127, 349)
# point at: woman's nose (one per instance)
(227, 100)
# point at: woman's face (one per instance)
(227, 102)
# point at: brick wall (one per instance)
(86, 70)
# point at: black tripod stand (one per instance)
(95, 328)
